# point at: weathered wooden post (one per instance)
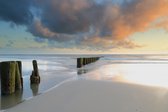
(20, 70)
(35, 78)
(0, 71)
(89, 61)
(81, 59)
(95, 59)
(78, 63)
(84, 59)
(7, 77)
(18, 82)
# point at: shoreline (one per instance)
(42, 92)
(91, 95)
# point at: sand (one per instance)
(97, 96)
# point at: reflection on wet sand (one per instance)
(35, 89)
(8, 101)
(82, 71)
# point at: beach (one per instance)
(126, 83)
(84, 56)
(97, 96)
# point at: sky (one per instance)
(84, 26)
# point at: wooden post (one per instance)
(95, 59)
(87, 61)
(7, 77)
(18, 82)
(83, 61)
(0, 71)
(20, 70)
(35, 78)
(78, 63)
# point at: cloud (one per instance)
(140, 15)
(89, 24)
(70, 16)
(16, 11)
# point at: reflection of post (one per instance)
(81, 71)
(35, 78)
(11, 100)
(34, 88)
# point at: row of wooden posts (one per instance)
(84, 61)
(11, 76)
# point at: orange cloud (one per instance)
(136, 16)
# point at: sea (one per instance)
(56, 69)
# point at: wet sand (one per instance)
(97, 96)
